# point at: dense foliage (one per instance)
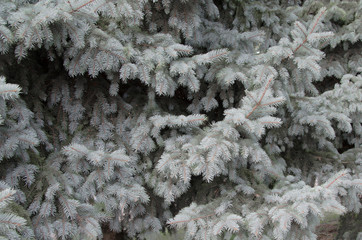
(235, 119)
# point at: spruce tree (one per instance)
(234, 119)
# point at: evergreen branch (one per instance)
(139, 144)
(184, 172)
(113, 54)
(251, 96)
(105, 3)
(108, 167)
(266, 88)
(74, 149)
(171, 158)
(261, 98)
(247, 125)
(73, 30)
(64, 200)
(9, 91)
(252, 110)
(193, 85)
(222, 226)
(37, 221)
(339, 209)
(316, 23)
(2, 33)
(270, 122)
(91, 223)
(81, 6)
(192, 219)
(63, 226)
(24, 140)
(70, 4)
(297, 24)
(306, 38)
(217, 55)
(88, 233)
(6, 197)
(256, 35)
(304, 46)
(311, 65)
(117, 159)
(335, 180)
(325, 127)
(214, 155)
(11, 223)
(269, 103)
(182, 50)
(77, 62)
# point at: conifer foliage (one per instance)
(233, 119)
